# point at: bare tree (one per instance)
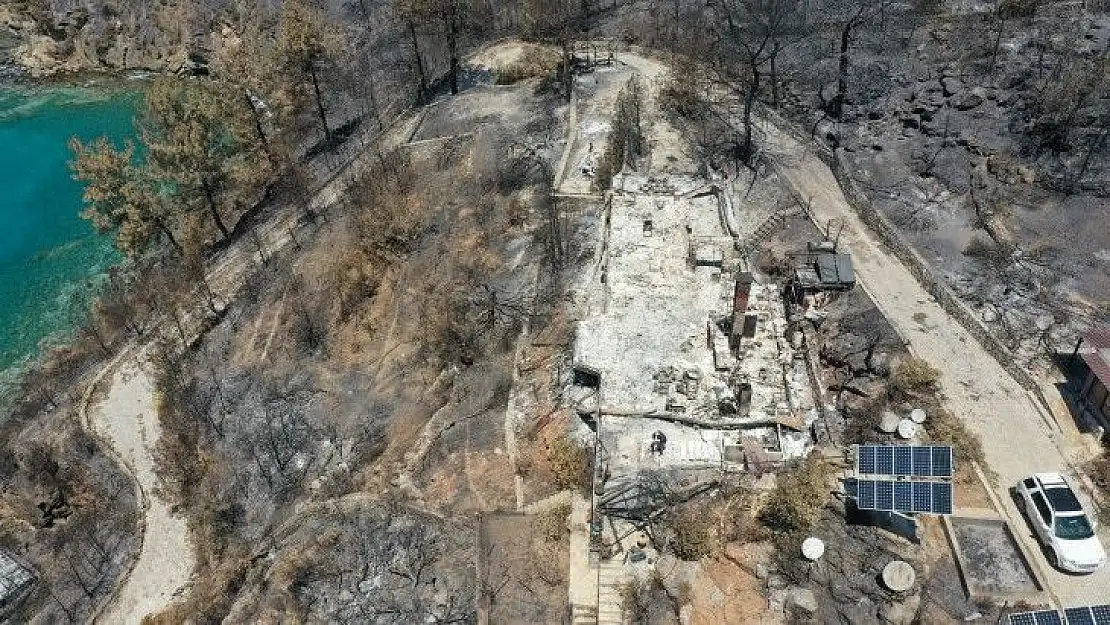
(851, 16)
(757, 32)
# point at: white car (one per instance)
(1061, 525)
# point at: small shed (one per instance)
(817, 271)
(1094, 396)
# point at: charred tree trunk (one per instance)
(214, 210)
(453, 46)
(842, 71)
(749, 104)
(257, 116)
(166, 232)
(319, 100)
(1095, 146)
(421, 73)
(775, 75)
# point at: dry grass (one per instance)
(551, 524)
(914, 377)
(569, 464)
(534, 62)
(693, 537)
(799, 497)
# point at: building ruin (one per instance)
(684, 362)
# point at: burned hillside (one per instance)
(384, 334)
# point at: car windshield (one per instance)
(1073, 527)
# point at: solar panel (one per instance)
(1101, 614)
(905, 460)
(884, 460)
(922, 495)
(1079, 616)
(903, 496)
(942, 498)
(866, 459)
(866, 498)
(942, 462)
(1040, 617)
(884, 495)
(888, 495)
(923, 460)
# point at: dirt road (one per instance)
(127, 417)
(1016, 439)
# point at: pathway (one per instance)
(1016, 439)
(127, 417)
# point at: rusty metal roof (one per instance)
(1098, 359)
(1099, 338)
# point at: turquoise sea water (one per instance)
(47, 252)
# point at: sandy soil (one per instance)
(505, 54)
(128, 417)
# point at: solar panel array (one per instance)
(905, 460)
(1041, 617)
(1088, 615)
(891, 496)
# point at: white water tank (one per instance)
(813, 548)
(898, 576)
(907, 429)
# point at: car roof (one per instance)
(1062, 499)
(1048, 479)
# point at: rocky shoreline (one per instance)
(75, 40)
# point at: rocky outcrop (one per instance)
(76, 36)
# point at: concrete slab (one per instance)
(991, 562)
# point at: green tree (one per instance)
(119, 197)
(202, 145)
(249, 64)
(306, 39)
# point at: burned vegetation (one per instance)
(355, 364)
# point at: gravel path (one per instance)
(127, 417)
(1016, 438)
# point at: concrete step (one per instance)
(583, 615)
(610, 617)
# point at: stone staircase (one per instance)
(583, 615)
(768, 227)
(612, 579)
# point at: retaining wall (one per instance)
(921, 270)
